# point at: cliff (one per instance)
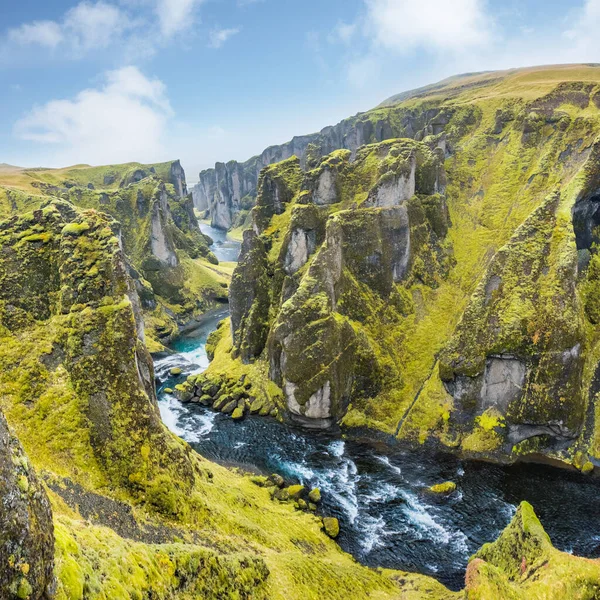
(176, 276)
(229, 190)
(441, 290)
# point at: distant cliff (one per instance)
(228, 191)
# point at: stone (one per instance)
(205, 400)
(442, 488)
(277, 480)
(237, 414)
(503, 382)
(183, 392)
(221, 401)
(168, 391)
(587, 468)
(295, 491)
(331, 526)
(229, 407)
(282, 495)
(175, 371)
(315, 495)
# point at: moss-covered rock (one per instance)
(315, 495)
(310, 277)
(522, 564)
(331, 526)
(26, 528)
(442, 488)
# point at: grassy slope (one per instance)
(489, 196)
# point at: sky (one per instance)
(110, 81)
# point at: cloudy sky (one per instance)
(111, 81)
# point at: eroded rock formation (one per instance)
(229, 190)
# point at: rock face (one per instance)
(229, 190)
(481, 336)
(161, 245)
(293, 299)
(539, 364)
(72, 271)
(177, 179)
(26, 529)
(522, 563)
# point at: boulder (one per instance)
(442, 488)
(238, 414)
(331, 527)
(315, 495)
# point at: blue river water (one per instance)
(379, 491)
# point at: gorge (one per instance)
(374, 399)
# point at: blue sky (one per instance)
(101, 81)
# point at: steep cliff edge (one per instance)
(444, 290)
(176, 275)
(228, 191)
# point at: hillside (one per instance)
(228, 191)
(106, 503)
(440, 287)
(176, 275)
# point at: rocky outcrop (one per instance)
(231, 188)
(522, 563)
(161, 243)
(305, 304)
(177, 179)
(520, 364)
(26, 529)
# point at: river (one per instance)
(378, 492)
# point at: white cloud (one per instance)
(137, 27)
(94, 25)
(43, 33)
(176, 15)
(218, 37)
(85, 27)
(125, 119)
(403, 25)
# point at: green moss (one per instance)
(331, 526)
(442, 488)
(315, 495)
(295, 491)
(75, 228)
(238, 413)
(23, 483)
(587, 468)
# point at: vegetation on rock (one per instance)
(441, 288)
